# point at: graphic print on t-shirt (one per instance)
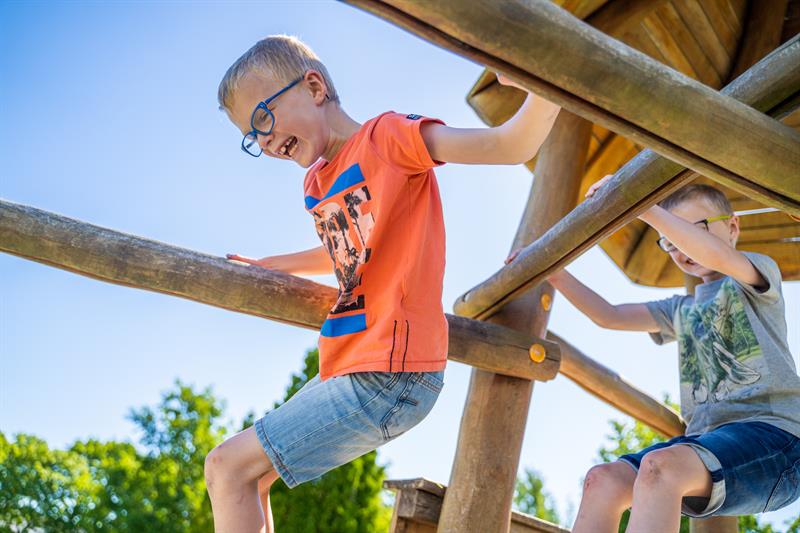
(716, 340)
(344, 223)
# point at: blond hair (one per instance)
(711, 194)
(283, 58)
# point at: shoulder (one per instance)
(770, 271)
(396, 139)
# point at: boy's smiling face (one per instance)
(300, 132)
(694, 210)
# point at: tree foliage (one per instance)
(158, 484)
(531, 498)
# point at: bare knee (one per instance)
(610, 480)
(214, 467)
(657, 469)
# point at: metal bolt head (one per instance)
(547, 301)
(537, 353)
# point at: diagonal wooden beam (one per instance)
(589, 73)
(123, 259)
(616, 391)
(772, 86)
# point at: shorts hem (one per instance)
(718, 492)
(274, 455)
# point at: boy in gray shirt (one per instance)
(740, 392)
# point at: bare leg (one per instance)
(665, 477)
(232, 471)
(607, 492)
(264, 484)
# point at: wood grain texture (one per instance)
(487, 455)
(123, 259)
(592, 75)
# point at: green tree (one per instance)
(96, 486)
(345, 500)
(531, 498)
(159, 484)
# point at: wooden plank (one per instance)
(417, 510)
(546, 49)
(644, 180)
(616, 152)
(714, 524)
(616, 391)
(621, 16)
(695, 18)
(727, 34)
(690, 46)
(582, 8)
(127, 260)
(487, 455)
(762, 33)
(646, 262)
(668, 46)
(640, 39)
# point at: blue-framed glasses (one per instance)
(262, 121)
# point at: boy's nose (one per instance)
(263, 142)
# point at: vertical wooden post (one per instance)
(716, 524)
(496, 409)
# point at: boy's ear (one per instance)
(735, 229)
(316, 86)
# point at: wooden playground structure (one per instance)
(712, 93)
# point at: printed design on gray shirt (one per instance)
(716, 340)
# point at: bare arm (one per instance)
(628, 317)
(514, 142)
(315, 261)
(703, 247)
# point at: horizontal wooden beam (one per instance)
(771, 86)
(418, 506)
(123, 259)
(615, 390)
(591, 74)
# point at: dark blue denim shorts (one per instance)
(754, 466)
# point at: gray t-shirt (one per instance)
(735, 364)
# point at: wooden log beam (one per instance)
(487, 456)
(589, 73)
(615, 390)
(123, 259)
(418, 506)
(771, 86)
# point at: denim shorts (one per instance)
(329, 423)
(754, 466)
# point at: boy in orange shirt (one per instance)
(373, 196)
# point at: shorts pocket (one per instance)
(413, 404)
(433, 381)
(787, 490)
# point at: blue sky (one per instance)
(109, 116)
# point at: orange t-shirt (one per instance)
(377, 210)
